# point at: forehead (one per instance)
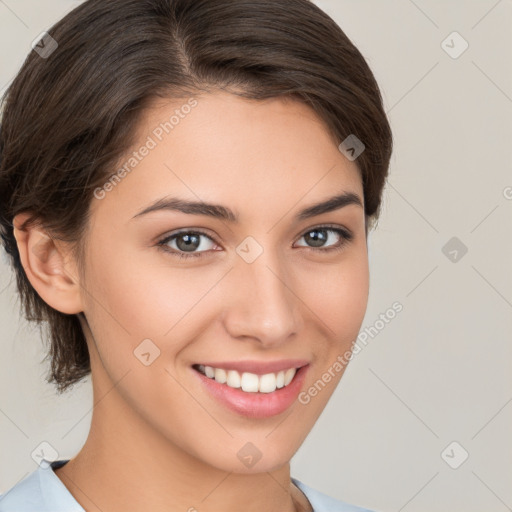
(224, 148)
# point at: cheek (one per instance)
(145, 297)
(338, 303)
(338, 296)
(133, 301)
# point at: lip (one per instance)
(255, 405)
(258, 367)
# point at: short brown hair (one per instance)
(68, 118)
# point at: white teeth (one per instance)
(280, 380)
(250, 382)
(288, 376)
(267, 383)
(220, 375)
(233, 379)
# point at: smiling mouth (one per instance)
(246, 381)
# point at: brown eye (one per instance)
(317, 237)
(186, 244)
(320, 237)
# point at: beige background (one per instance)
(440, 371)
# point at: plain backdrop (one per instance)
(421, 420)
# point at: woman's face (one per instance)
(248, 284)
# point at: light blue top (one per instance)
(43, 491)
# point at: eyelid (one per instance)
(335, 227)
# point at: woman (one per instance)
(186, 192)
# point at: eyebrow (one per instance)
(223, 213)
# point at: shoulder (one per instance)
(40, 491)
(324, 503)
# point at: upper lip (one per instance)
(258, 367)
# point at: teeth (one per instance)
(220, 375)
(267, 383)
(233, 380)
(288, 376)
(250, 382)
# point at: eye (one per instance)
(318, 238)
(186, 244)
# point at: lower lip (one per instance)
(255, 405)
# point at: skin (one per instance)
(157, 440)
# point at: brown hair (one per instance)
(70, 116)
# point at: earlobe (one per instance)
(48, 267)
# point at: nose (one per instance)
(262, 305)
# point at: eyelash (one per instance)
(345, 235)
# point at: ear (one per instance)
(49, 267)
